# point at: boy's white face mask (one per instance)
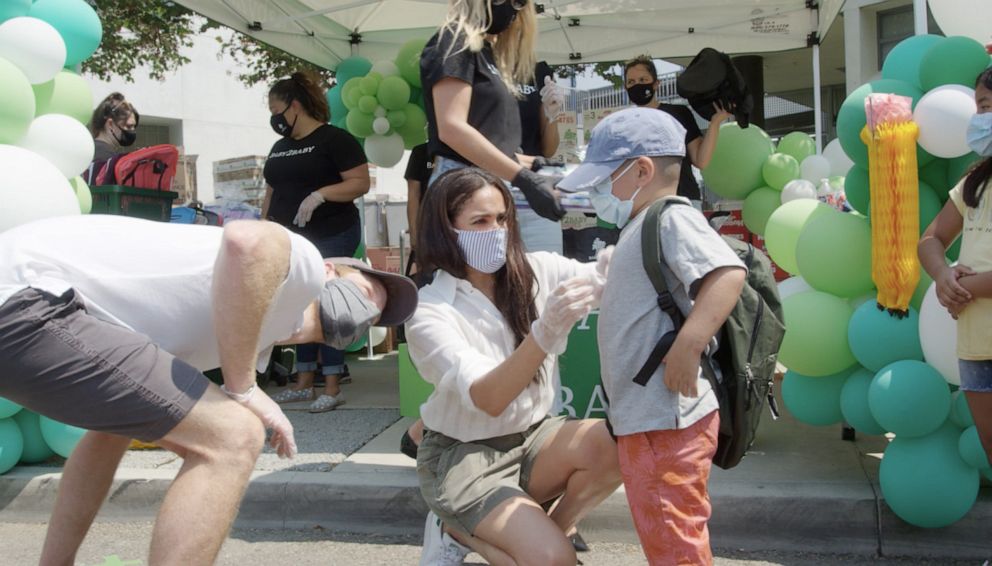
(608, 206)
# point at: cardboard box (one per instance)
(387, 258)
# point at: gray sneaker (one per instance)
(439, 548)
(326, 403)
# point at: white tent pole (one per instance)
(817, 103)
(920, 17)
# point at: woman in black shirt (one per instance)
(113, 126)
(313, 176)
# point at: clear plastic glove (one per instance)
(309, 204)
(598, 279)
(552, 99)
(566, 305)
(271, 415)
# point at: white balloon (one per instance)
(384, 151)
(34, 46)
(792, 286)
(939, 337)
(377, 334)
(385, 68)
(942, 115)
(379, 111)
(380, 126)
(31, 188)
(797, 189)
(840, 163)
(814, 168)
(62, 140)
(970, 18)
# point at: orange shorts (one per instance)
(665, 474)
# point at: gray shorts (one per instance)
(62, 362)
(462, 482)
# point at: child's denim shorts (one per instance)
(976, 375)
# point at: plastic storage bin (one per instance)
(129, 201)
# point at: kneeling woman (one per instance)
(487, 334)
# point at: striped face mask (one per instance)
(484, 251)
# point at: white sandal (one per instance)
(326, 403)
(293, 396)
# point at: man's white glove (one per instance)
(271, 415)
(307, 207)
(566, 305)
(598, 278)
(553, 99)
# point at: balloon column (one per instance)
(382, 103)
(28, 438)
(848, 359)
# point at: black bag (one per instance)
(749, 341)
(712, 77)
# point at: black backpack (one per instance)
(749, 341)
(712, 77)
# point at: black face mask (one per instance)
(280, 125)
(503, 16)
(126, 137)
(640, 94)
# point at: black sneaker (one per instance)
(578, 542)
(408, 446)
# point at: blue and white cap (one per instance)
(623, 135)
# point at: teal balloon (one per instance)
(367, 104)
(340, 122)
(359, 124)
(394, 93)
(335, 103)
(14, 9)
(76, 22)
(35, 448)
(903, 61)
(60, 437)
(11, 445)
(854, 403)
(758, 207)
(971, 449)
(833, 254)
(857, 189)
(17, 106)
(369, 85)
(8, 408)
(930, 206)
(954, 251)
(779, 169)
(935, 175)
(878, 339)
(958, 167)
(735, 167)
(797, 144)
(352, 67)
(357, 345)
(815, 341)
(924, 480)
(68, 94)
(417, 97)
(851, 118)
(909, 398)
(408, 61)
(960, 412)
(814, 400)
(955, 60)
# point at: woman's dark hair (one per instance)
(114, 107)
(977, 179)
(304, 87)
(437, 244)
(644, 60)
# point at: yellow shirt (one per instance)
(975, 322)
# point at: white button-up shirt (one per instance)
(458, 336)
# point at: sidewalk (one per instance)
(801, 488)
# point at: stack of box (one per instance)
(240, 179)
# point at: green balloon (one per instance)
(66, 94)
(779, 169)
(396, 118)
(351, 93)
(851, 118)
(784, 227)
(14, 9)
(857, 189)
(797, 144)
(394, 93)
(909, 398)
(76, 22)
(960, 412)
(416, 119)
(60, 437)
(417, 97)
(836, 182)
(83, 194)
(814, 400)
(369, 85)
(413, 139)
(352, 67)
(955, 60)
(17, 105)
(816, 334)
(903, 61)
(8, 408)
(408, 61)
(878, 339)
(935, 175)
(833, 254)
(930, 206)
(35, 448)
(925, 481)
(958, 167)
(921, 290)
(11, 444)
(971, 450)
(854, 403)
(735, 167)
(367, 104)
(359, 124)
(758, 206)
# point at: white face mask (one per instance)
(484, 250)
(608, 206)
(980, 134)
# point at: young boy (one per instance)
(666, 430)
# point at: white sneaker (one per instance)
(439, 548)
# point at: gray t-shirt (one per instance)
(630, 322)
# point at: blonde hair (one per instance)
(514, 48)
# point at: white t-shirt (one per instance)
(151, 277)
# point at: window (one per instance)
(896, 25)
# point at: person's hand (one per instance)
(271, 415)
(552, 99)
(950, 293)
(309, 204)
(682, 370)
(540, 192)
(566, 305)
(539, 162)
(720, 113)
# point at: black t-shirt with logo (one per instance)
(419, 168)
(493, 108)
(532, 111)
(688, 187)
(296, 168)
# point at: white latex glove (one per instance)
(598, 279)
(307, 207)
(553, 99)
(271, 415)
(566, 305)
